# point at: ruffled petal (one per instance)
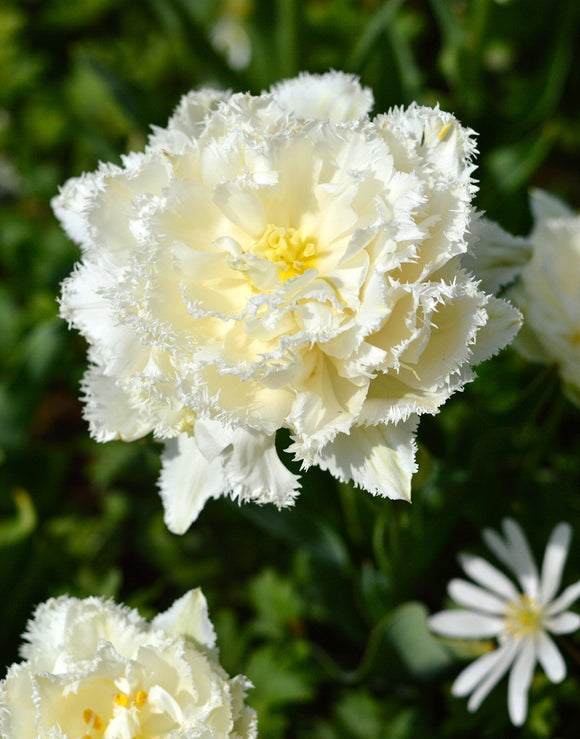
(380, 459)
(187, 482)
(465, 625)
(503, 323)
(188, 616)
(497, 257)
(334, 96)
(254, 471)
(109, 411)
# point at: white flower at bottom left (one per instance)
(96, 670)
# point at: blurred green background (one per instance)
(324, 605)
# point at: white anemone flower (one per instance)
(97, 670)
(280, 261)
(520, 616)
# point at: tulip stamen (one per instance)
(92, 720)
(287, 248)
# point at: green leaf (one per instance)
(360, 714)
(371, 35)
(278, 605)
(421, 653)
(278, 678)
(303, 530)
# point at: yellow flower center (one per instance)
(95, 724)
(523, 617)
(291, 251)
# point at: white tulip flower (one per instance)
(548, 291)
(521, 616)
(97, 670)
(280, 261)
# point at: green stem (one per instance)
(348, 499)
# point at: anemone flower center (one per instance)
(291, 251)
(523, 617)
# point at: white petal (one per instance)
(496, 257)
(190, 115)
(545, 206)
(254, 470)
(325, 405)
(380, 459)
(505, 656)
(161, 701)
(488, 576)
(212, 438)
(465, 625)
(564, 600)
(471, 596)
(70, 206)
(503, 323)
(335, 96)
(188, 616)
(108, 410)
(563, 623)
(476, 673)
(550, 658)
(242, 207)
(519, 682)
(187, 482)
(554, 560)
(517, 556)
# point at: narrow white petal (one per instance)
(505, 656)
(564, 600)
(554, 560)
(380, 459)
(488, 576)
(187, 482)
(468, 679)
(522, 560)
(550, 658)
(497, 545)
(563, 623)
(472, 596)
(465, 625)
(519, 682)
